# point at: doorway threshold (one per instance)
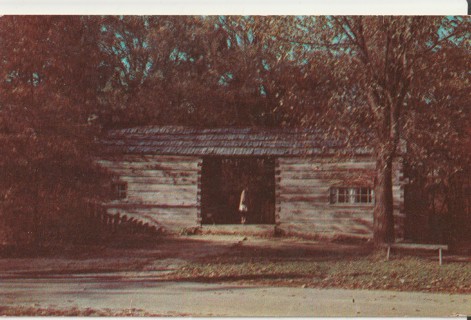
(239, 229)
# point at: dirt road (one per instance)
(115, 292)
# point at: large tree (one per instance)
(390, 74)
(49, 82)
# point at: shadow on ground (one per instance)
(164, 254)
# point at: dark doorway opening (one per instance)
(222, 182)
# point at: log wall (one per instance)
(165, 191)
(161, 190)
(303, 197)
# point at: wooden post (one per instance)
(388, 252)
(440, 256)
(199, 218)
(107, 221)
(103, 217)
(132, 225)
(115, 222)
(124, 224)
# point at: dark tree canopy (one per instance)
(384, 80)
(51, 75)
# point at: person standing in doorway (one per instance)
(244, 205)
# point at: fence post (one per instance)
(132, 225)
(115, 222)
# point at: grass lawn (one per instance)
(366, 271)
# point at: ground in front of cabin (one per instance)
(232, 276)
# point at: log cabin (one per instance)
(300, 182)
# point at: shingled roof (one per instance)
(185, 141)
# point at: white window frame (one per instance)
(351, 196)
(120, 190)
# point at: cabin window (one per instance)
(119, 190)
(351, 195)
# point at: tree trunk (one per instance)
(383, 227)
(36, 228)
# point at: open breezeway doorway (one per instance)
(222, 183)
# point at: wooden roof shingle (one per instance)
(231, 142)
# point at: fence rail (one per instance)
(101, 221)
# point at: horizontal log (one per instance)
(168, 166)
(323, 161)
(172, 190)
(333, 230)
(322, 197)
(136, 205)
(162, 198)
(151, 173)
(170, 211)
(164, 188)
(367, 175)
(340, 166)
(366, 222)
(398, 216)
(307, 183)
(160, 181)
(238, 228)
(309, 207)
(293, 214)
(150, 158)
(294, 190)
(330, 215)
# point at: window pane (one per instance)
(358, 197)
(343, 195)
(119, 190)
(363, 195)
(353, 195)
(333, 195)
